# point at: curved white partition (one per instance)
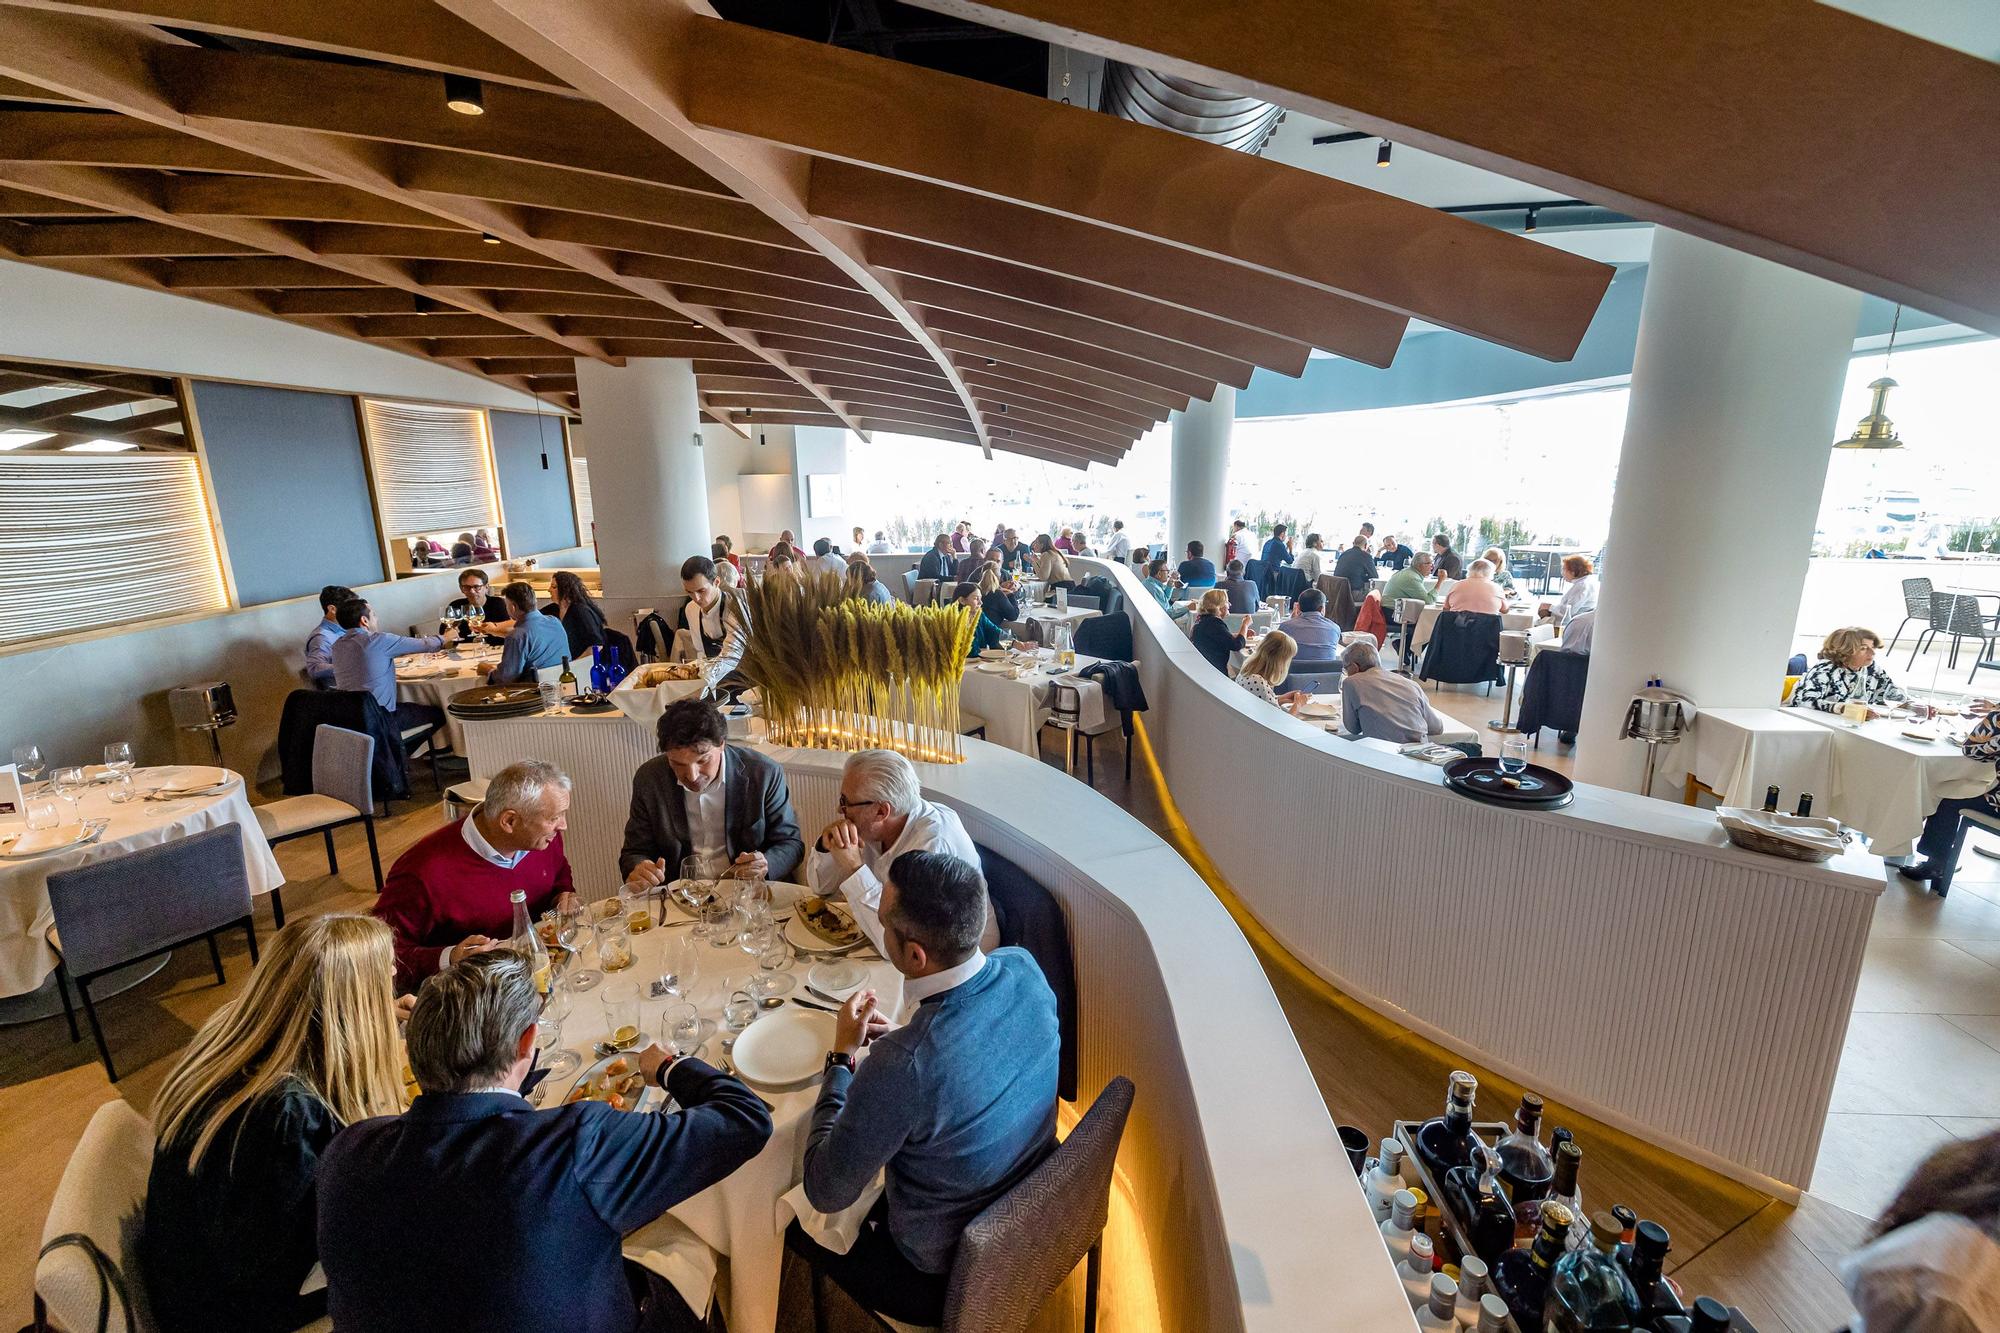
(1247, 1212)
(1617, 954)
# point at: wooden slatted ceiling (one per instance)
(650, 181)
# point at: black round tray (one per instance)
(496, 701)
(1541, 789)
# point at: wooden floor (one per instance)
(1729, 1241)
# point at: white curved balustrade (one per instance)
(1246, 1212)
(1617, 954)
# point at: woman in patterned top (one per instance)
(1940, 834)
(1846, 674)
(1267, 668)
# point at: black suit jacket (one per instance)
(936, 564)
(756, 815)
(478, 1211)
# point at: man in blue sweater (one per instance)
(958, 1104)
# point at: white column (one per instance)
(1199, 474)
(1735, 385)
(648, 488)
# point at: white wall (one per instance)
(821, 450)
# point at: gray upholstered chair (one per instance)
(342, 794)
(1017, 1253)
(129, 908)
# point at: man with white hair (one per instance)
(1380, 705)
(882, 814)
(449, 896)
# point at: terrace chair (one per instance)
(1029, 916)
(1916, 606)
(1959, 616)
(1287, 583)
(353, 710)
(126, 909)
(1079, 602)
(1108, 636)
(1984, 664)
(1341, 607)
(1066, 715)
(1464, 649)
(1552, 696)
(909, 577)
(1020, 1251)
(1253, 570)
(1986, 820)
(341, 795)
(1321, 676)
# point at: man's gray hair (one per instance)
(885, 776)
(1422, 558)
(1481, 567)
(1361, 657)
(523, 786)
(466, 1028)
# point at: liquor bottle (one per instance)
(1448, 1141)
(1436, 1315)
(1805, 804)
(1771, 799)
(1709, 1316)
(1474, 1281)
(597, 669)
(1416, 1271)
(1566, 1190)
(1562, 1186)
(1521, 1278)
(1527, 1169)
(1474, 1194)
(1628, 1227)
(567, 680)
(1401, 1227)
(1384, 1178)
(527, 941)
(1645, 1261)
(1492, 1314)
(1589, 1292)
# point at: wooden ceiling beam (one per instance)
(90, 428)
(290, 200)
(370, 301)
(781, 418)
(349, 238)
(660, 268)
(525, 365)
(1082, 355)
(1074, 400)
(190, 274)
(637, 239)
(677, 229)
(1144, 181)
(833, 365)
(619, 305)
(460, 275)
(833, 334)
(88, 139)
(786, 402)
(1060, 369)
(134, 239)
(1739, 125)
(432, 326)
(1021, 415)
(879, 202)
(480, 349)
(757, 370)
(851, 310)
(73, 405)
(864, 386)
(748, 384)
(828, 351)
(14, 90)
(713, 348)
(441, 172)
(17, 203)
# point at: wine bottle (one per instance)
(1527, 1169)
(1562, 1186)
(1805, 804)
(1709, 1316)
(1645, 1263)
(527, 941)
(1448, 1140)
(1588, 1291)
(567, 680)
(1771, 799)
(1521, 1278)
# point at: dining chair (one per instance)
(1983, 818)
(1984, 664)
(1916, 606)
(1066, 715)
(1019, 1252)
(87, 1272)
(125, 909)
(1959, 616)
(342, 794)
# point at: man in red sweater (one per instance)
(447, 897)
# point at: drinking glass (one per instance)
(641, 912)
(740, 1010)
(118, 788)
(682, 965)
(28, 759)
(695, 886)
(548, 1040)
(622, 1027)
(69, 784)
(614, 944)
(683, 1028)
(118, 756)
(774, 959)
(42, 815)
(721, 923)
(551, 692)
(753, 893)
(1513, 754)
(573, 932)
(559, 1001)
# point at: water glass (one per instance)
(69, 783)
(42, 815)
(740, 1011)
(683, 1028)
(640, 909)
(551, 692)
(548, 1038)
(1513, 754)
(28, 759)
(573, 932)
(774, 958)
(753, 894)
(622, 1022)
(118, 788)
(722, 922)
(614, 944)
(118, 756)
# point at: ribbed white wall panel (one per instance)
(1618, 954)
(1248, 1207)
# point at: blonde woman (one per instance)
(1846, 673)
(1498, 559)
(1211, 634)
(309, 1048)
(1267, 668)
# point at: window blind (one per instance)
(579, 471)
(94, 540)
(433, 467)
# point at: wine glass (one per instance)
(773, 953)
(573, 932)
(1513, 754)
(118, 756)
(682, 966)
(28, 759)
(723, 922)
(548, 1040)
(69, 783)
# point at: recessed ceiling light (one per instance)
(1382, 154)
(464, 95)
(100, 447)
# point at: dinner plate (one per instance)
(1916, 734)
(650, 1097)
(836, 979)
(784, 1049)
(42, 841)
(1327, 711)
(995, 668)
(805, 942)
(993, 654)
(189, 779)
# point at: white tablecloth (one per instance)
(1014, 709)
(1047, 614)
(25, 957)
(1454, 730)
(1870, 777)
(742, 1217)
(645, 704)
(433, 678)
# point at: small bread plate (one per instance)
(783, 1050)
(40, 842)
(616, 1081)
(836, 979)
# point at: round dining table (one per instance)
(26, 960)
(433, 678)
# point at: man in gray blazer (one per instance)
(704, 797)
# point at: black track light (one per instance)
(1533, 213)
(463, 94)
(489, 238)
(1382, 154)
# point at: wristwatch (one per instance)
(841, 1059)
(660, 1074)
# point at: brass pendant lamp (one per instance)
(1876, 431)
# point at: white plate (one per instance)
(784, 1049)
(995, 668)
(993, 654)
(836, 979)
(42, 841)
(188, 778)
(1331, 712)
(805, 941)
(650, 1096)
(1918, 735)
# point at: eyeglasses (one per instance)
(847, 805)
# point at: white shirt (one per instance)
(708, 833)
(483, 849)
(831, 563)
(918, 989)
(1120, 547)
(1576, 634)
(1578, 597)
(1308, 564)
(880, 548)
(930, 828)
(706, 623)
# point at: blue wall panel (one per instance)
(535, 500)
(291, 487)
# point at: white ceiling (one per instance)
(1972, 26)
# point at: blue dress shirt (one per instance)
(535, 642)
(319, 651)
(365, 659)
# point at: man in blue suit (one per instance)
(475, 1210)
